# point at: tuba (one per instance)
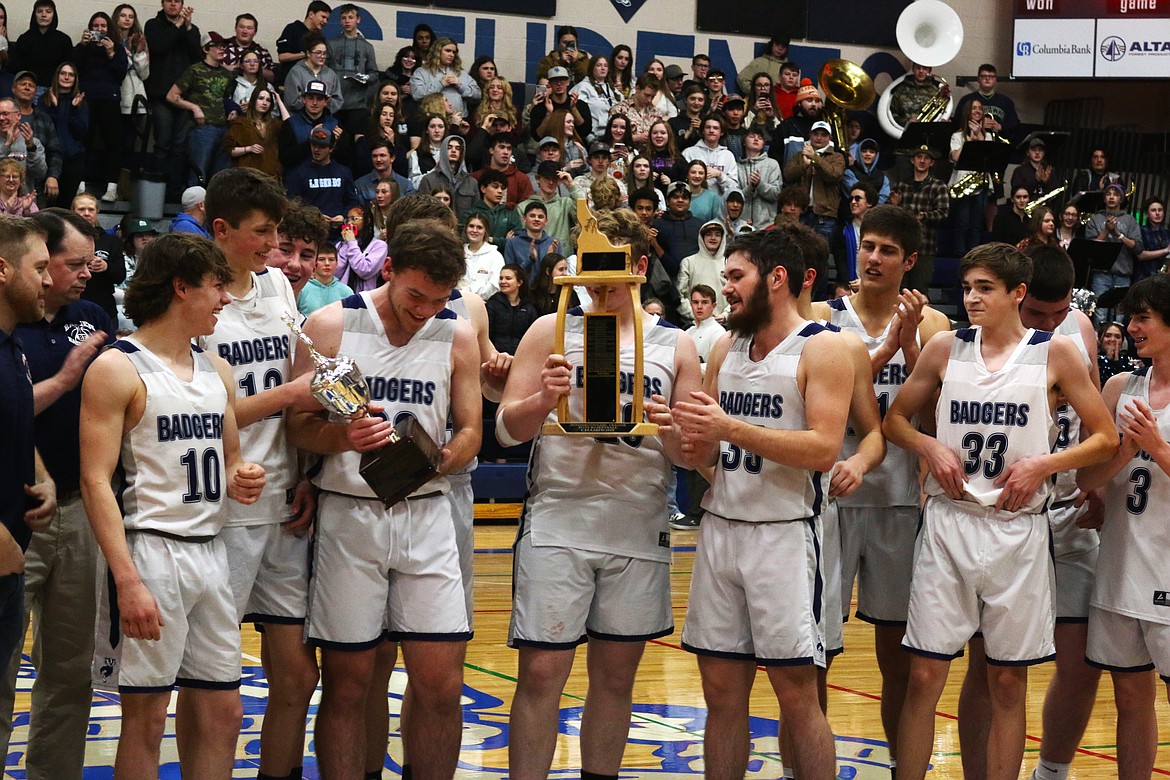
(846, 87)
(930, 33)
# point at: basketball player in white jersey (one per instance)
(1129, 618)
(879, 521)
(165, 409)
(771, 419)
(267, 542)
(982, 562)
(592, 556)
(493, 371)
(1073, 517)
(393, 572)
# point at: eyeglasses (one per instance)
(714, 78)
(856, 198)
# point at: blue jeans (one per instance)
(969, 217)
(1100, 282)
(11, 616)
(170, 143)
(205, 149)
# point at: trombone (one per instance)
(1044, 199)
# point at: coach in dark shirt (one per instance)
(61, 560)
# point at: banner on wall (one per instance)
(1124, 39)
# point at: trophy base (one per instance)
(599, 429)
(408, 462)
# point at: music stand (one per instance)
(1053, 140)
(1089, 201)
(1089, 255)
(983, 157)
(1112, 298)
(936, 135)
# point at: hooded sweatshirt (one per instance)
(760, 201)
(872, 174)
(703, 267)
(41, 52)
(464, 189)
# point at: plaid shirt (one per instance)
(233, 52)
(931, 198)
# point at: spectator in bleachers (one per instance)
(321, 180)
(193, 217)
(244, 42)
(687, 127)
(1069, 226)
(664, 98)
(561, 209)
(566, 55)
(774, 56)
(792, 203)
(5, 43)
(1113, 357)
(1115, 226)
(999, 108)
(1097, 176)
(1035, 173)
(312, 69)
(201, 90)
(175, 45)
(666, 161)
(760, 179)
(761, 108)
(968, 210)
(716, 91)
(531, 242)
(66, 106)
(704, 265)
(18, 142)
(294, 134)
(677, 229)
(541, 121)
(405, 61)
(543, 293)
(484, 259)
(734, 128)
(818, 169)
(101, 69)
(136, 234)
(865, 169)
(385, 193)
(502, 220)
(108, 268)
(1041, 230)
(597, 93)
(672, 80)
(443, 73)
(617, 138)
(253, 138)
(519, 188)
(793, 132)
(497, 102)
(1011, 223)
(42, 47)
(380, 127)
(928, 200)
(127, 33)
(24, 90)
(563, 129)
(422, 160)
(14, 202)
(599, 159)
(360, 256)
(640, 175)
(353, 59)
(422, 39)
(621, 71)
(510, 315)
(451, 174)
(847, 240)
(1155, 238)
(290, 46)
(381, 169)
(249, 78)
(721, 166)
(324, 288)
(787, 90)
(705, 203)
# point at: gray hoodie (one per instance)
(703, 267)
(760, 202)
(454, 176)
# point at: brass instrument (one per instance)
(1088, 215)
(930, 33)
(939, 105)
(970, 184)
(846, 87)
(1044, 199)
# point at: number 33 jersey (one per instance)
(992, 419)
(1132, 576)
(765, 393)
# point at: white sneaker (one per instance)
(111, 193)
(80, 187)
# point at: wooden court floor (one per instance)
(667, 726)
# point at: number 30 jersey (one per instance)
(989, 419)
(1132, 576)
(765, 393)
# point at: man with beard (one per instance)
(794, 131)
(1097, 176)
(773, 452)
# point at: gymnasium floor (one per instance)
(667, 728)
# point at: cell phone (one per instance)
(97, 37)
(541, 91)
(571, 46)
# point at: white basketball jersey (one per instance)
(1068, 422)
(411, 380)
(765, 393)
(172, 460)
(458, 304)
(605, 494)
(993, 419)
(895, 481)
(257, 345)
(1132, 576)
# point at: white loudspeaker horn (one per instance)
(929, 33)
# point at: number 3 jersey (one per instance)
(172, 459)
(605, 494)
(254, 341)
(989, 419)
(1132, 576)
(764, 393)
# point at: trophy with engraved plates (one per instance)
(602, 265)
(410, 458)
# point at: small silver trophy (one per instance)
(410, 458)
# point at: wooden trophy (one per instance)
(601, 263)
